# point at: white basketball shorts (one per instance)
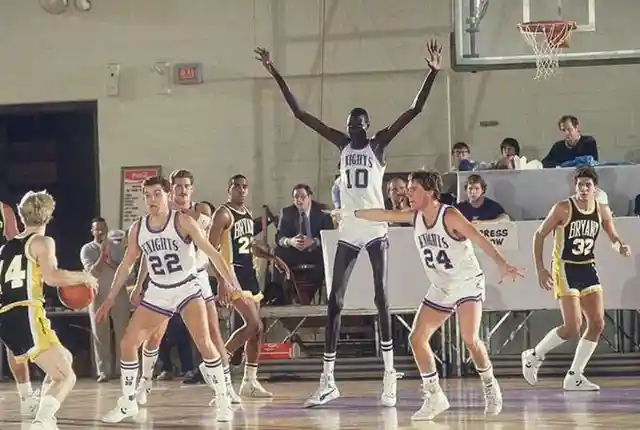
(359, 233)
(447, 298)
(205, 284)
(168, 301)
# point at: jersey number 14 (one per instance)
(15, 274)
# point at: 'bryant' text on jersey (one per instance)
(363, 160)
(583, 228)
(159, 244)
(243, 227)
(433, 240)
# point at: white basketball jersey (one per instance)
(170, 259)
(204, 222)
(361, 177)
(446, 260)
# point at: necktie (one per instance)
(305, 227)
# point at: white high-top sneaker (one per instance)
(435, 402)
(234, 398)
(578, 382)
(29, 406)
(224, 414)
(326, 392)
(253, 388)
(144, 388)
(125, 408)
(531, 363)
(390, 388)
(492, 397)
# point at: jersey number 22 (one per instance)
(167, 265)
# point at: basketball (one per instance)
(76, 297)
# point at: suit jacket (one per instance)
(289, 226)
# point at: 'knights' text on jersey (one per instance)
(361, 179)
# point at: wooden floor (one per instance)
(176, 406)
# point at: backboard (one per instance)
(486, 36)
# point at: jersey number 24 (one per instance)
(166, 265)
(441, 259)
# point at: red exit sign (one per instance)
(187, 73)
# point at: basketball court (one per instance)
(177, 406)
(490, 35)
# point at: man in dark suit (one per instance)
(298, 238)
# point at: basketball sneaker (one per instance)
(390, 388)
(234, 398)
(531, 363)
(142, 393)
(125, 408)
(434, 403)
(224, 414)
(492, 397)
(326, 392)
(253, 388)
(577, 382)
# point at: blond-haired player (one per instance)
(27, 261)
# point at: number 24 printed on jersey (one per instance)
(441, 259)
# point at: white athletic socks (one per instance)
(24, 389)
(149, 359)
(430, 381)
(213, 373)
(486, 374)
(128, 376)
(387, 354)
(584, 350)
(549, 342)
(250, 371)
(328, 360)
(48, 408)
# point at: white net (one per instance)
(547, 39)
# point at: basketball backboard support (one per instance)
(486, 36)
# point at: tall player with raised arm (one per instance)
(362, 167)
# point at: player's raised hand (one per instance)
(262, 55)
(509, 271)
(545, 279)
(434, 55)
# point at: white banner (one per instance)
(503, 235)
(407, 282)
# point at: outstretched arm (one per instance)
(334, 136)
(434, 60)
(381, 215)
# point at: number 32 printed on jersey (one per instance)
(582, 246)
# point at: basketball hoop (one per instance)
(547, 38)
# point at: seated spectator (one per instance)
(509, 148)
(574, 144)
(478, 207)
(298, 237)
(397, 197)
(460, 154)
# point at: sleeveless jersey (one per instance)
(238, 238)
(575, 240)
(361, 179)
(446, 260)
(204, 222)
(21, 281)
(171, 259)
